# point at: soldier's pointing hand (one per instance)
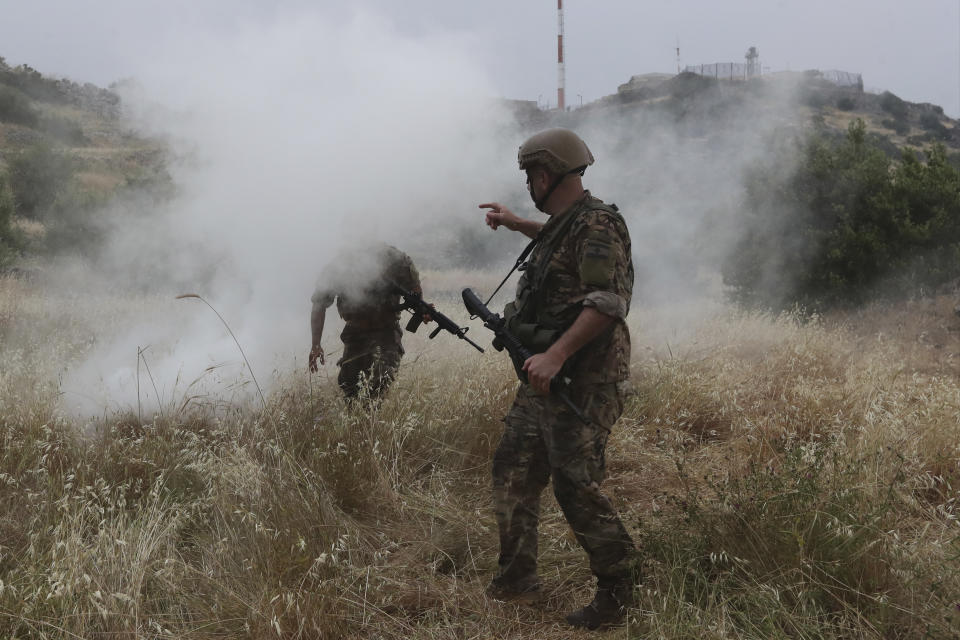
(499, 215)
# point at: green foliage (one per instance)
(16, 108)
(893, 105)
(885, 144)
(32, 83)
(931, 122)
(39, 175)
(800, 548)
(63, 129)
(829, 231)
(10, 241)
(902, 127)
(74, 221)
(846, 103)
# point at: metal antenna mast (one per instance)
(561, 72)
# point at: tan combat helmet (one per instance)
(560, 151)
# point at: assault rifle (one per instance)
(519, 354)
(414, 302)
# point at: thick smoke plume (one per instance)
(291, 140)
(297, 139)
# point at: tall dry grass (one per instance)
(784, 478)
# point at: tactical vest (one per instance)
(538, 327)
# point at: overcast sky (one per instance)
(909, 47)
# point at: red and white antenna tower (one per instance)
(561, 73)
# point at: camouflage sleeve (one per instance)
(405, 273)
(604, 263)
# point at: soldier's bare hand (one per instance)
(316, 353)
(499, 215)
(541, 368)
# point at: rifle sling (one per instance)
(516, 265)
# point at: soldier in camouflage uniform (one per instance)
(362, 284)
(569, 310)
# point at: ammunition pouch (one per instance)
(536, 337)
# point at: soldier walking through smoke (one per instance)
(569, 311)
(365, 286)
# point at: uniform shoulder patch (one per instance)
(598, 259)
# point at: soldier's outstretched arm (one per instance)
(498, 215)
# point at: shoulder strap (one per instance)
(516, 265)
(559, 232)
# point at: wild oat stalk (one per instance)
(237, 342)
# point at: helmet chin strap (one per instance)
(539, 203)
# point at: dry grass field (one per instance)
(785, 478)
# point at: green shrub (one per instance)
(38, 176)
(893, 105)
(63, 129)
(931, 122)
(16, 108)
(74, 222)
(902, 127)
(32, 83)
(10, 241)
(829, 231)
(846, 103)
(885, 144)
(800, 548)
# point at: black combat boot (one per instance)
(608, 608)
(523, 592)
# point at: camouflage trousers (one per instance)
(368, 367)
(543, 440)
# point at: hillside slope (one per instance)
(81, 119)
(799, 101)
(65, 153)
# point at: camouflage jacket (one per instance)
(362, 286)
(583, 259)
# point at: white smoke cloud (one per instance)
(292, 139)
(299, 137)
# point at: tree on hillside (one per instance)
(38, 176)
(9, 240)
(16, 108)
(844, 224)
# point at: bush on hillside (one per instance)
(64, 130)
(931, 123)
(902, 127)
(38, 176)
(33, 83)
(9, 239)
(893, 105)
(885, 144)
(846, 103)
(16, 108)
(846, 224)
(75, 222)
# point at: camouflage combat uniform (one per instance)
(371, 313)
(583, 260)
